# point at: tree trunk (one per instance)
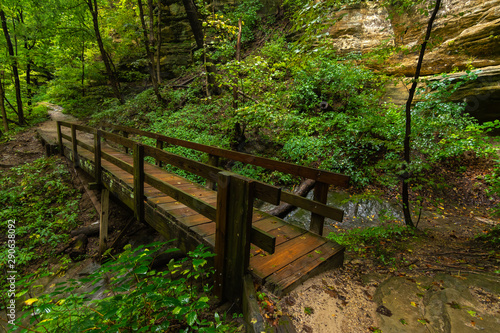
(83, 69)
(199, 36)
(115, 85)
(148, 40)
(2, 105)
(15, 71)
(407, 159)
(158, 45)
(239, 129)
(192, 15)
(284, 209)
(29, 66)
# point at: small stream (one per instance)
(364, 212)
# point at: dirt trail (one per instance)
(55, 113)
(26, 148)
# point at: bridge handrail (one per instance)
(293, 169)
(265, 192)
(323, 178)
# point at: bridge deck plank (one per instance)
(299, 254)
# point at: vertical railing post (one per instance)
(233, 228)
(214, 161)
(320, 195)
(59, 138)
(97, 157)
(74, 145)
(103, 223)
(159, 145)
(125, 134)
(139, 181)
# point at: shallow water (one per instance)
(357, 212)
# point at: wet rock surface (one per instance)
(443, 303)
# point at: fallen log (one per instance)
(89, 231)
(78, 247)
(285, 208)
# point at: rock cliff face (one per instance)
(465, 33)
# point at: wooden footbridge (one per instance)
(245, 240)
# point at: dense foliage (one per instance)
(41, 219)
(135, 297)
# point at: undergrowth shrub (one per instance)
(381, 242)
(40, 197)
(135, 297)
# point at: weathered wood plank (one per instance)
(238, 229)
(139, 181)
(313, 206)
(181, 196)
(301, 171)
(262, 239)
(221, 232)
(104, 218)
(118, 139)
(74, 145)
(85, 146)
(317, 220)
(193, 220)
(122, 165)
(204, 229)
(59, 138)
(83, 128)
(97, 158)
(286, 232)
(285, 253)
(329, 255)
(201, 169)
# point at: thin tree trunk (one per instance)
(158, 45)
(15, 71)
(147, 43)
(115, 85)
(192, 14)
(239, 130)
(29, 66)
(2, 105)
(199, 36)
(83, 69)
(406, 174)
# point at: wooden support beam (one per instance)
(220, 232)
(320, 195)
(159, 145)
(59, 138)
(213, 161)
(103, 230)
(74, 145)
(139, 181)
(125, 134)
(233, 232)
(97, 158)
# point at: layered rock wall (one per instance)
(465, 34)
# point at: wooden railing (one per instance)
(235, 193)
(318, 208)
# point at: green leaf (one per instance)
(141, 270)
(191, 318)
